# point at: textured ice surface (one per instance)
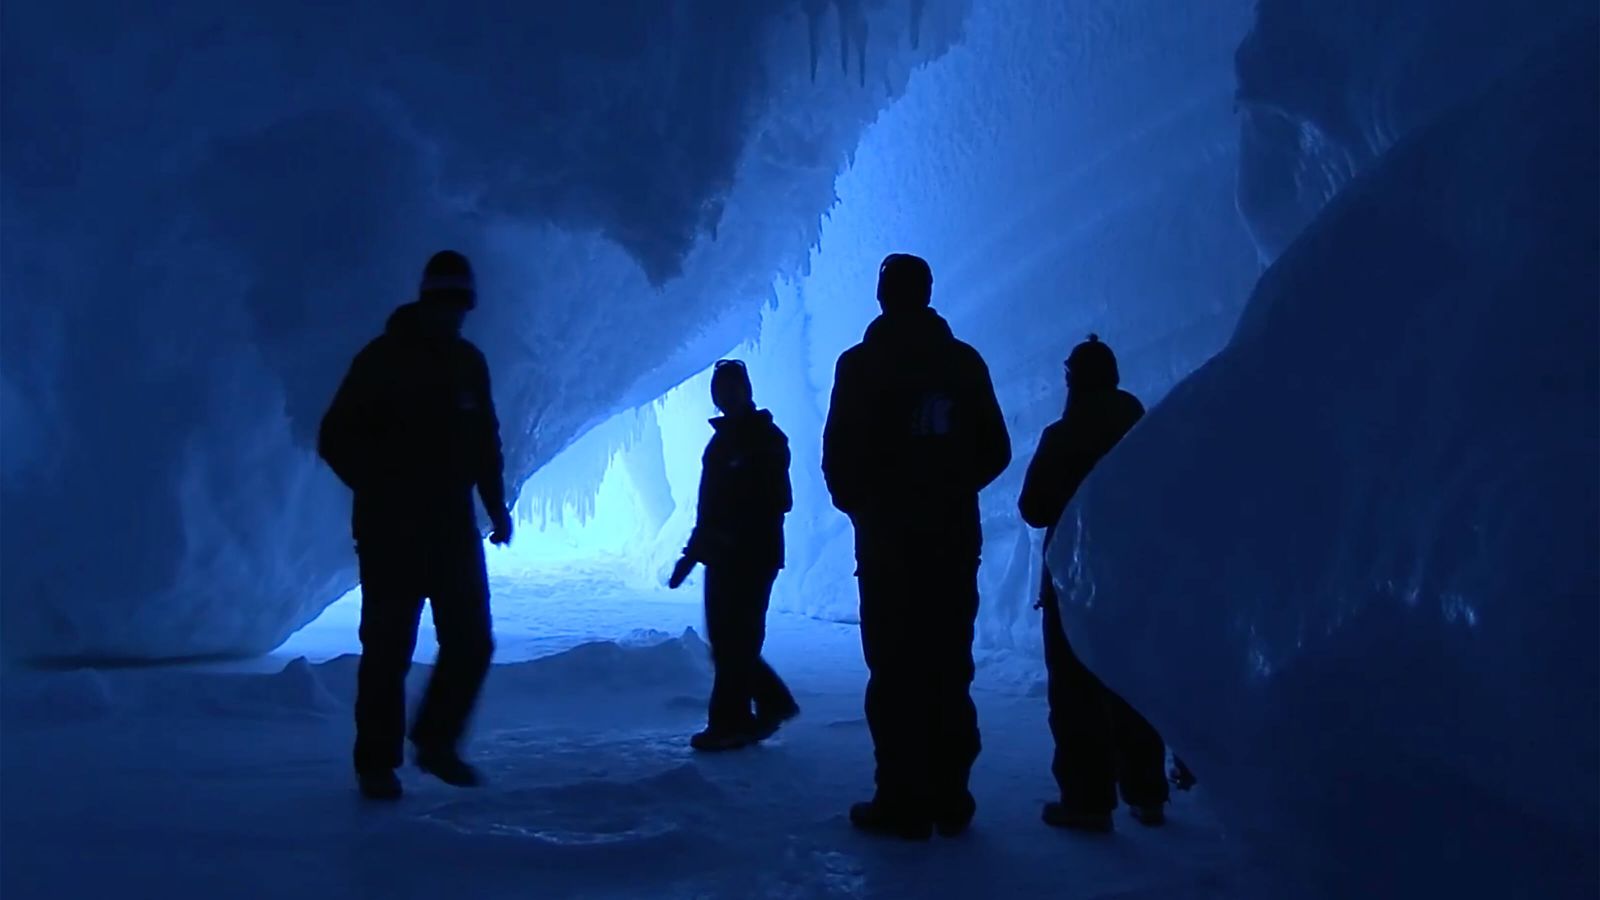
(1326, 88)
(1067, 168)
(207, 211)
(190, 260)
(1349, 565)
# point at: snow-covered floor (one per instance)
(234, 781)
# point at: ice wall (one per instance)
(1326, 88)
(1067, 168)
(1349, 566)
(205, 210)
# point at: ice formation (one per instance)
(170, 384)
(1349, 565)
(207, 211)
(1097, 194)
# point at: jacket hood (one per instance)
(758, 417)
(414, 321)
(1114, 400)
(912, 326)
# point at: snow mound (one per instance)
(297, 687)
(641, 660)
(55, 697)
(1349, 565)
(300, 689)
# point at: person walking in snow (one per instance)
(914, 432)
(1101, 741)
(412, 431)
(738, 536)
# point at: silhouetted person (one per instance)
(738, 536)
(913, 433)
(1101, 741)
(413, 431)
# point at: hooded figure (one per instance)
(1101, 741)
(738, 536)
(914, 432)
(413, 432)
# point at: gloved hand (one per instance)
(680, 572)
(500, 536)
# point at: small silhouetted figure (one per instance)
(413, 431)
(738, 536)
(1101, 741)
(913, 433)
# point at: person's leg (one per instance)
(728, 631)
(459, 594)
(391, 606)
(1083, 765)
(773, 701)
(952, 597)
(1140, 756)
(896, 703)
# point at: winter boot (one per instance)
(447, 766)
(379, 784)
(1058, 815)
(877, 818)
(1178, 773)
(717, 740)
(1151, 815)
(954, 815)
(768, 722)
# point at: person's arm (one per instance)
(346, 436)
(842, 438)
(782, 491)
(702, 537)
(1041, 502)
(489, 469)
(993, 448)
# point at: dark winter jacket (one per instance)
(413, 430)
(744, 494)
(914, 432)
(1093, 423)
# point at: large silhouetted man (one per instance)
(1101, 741)
(413, 432)
(913, 434)
(738, 536)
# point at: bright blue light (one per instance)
(622, 497)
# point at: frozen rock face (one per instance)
(1349, 565)
(206, 211)
(1325, 89)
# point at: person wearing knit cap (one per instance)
(1101, 742)
(738, 537)
(413, 432)
(914, 432)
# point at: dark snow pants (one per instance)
(736, 627)
(1101, 741)
(396, 576)
(918, 610)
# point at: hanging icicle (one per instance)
(815, 10)
(852, 32)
